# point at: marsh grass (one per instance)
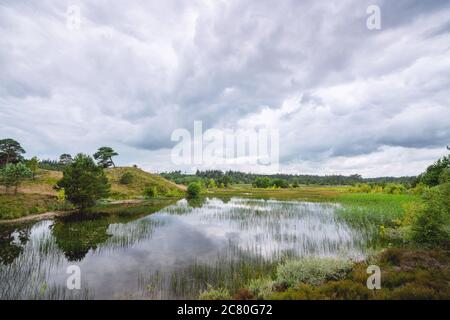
(369, 212)
(228, 274)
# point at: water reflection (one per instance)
(173, 253)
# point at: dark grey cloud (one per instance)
(134, 72)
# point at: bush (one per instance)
(194, 189)
(126, 178)
(346, 290)
(312, 270)
(261, 288)
(215, 294)
(394, 188)
(243, 294)
(280, 183)
(419, 189)
(261, 182)
(150, 192)
(429, 225)
(411, 291)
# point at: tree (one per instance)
(33, 165)
(261, 182)
(212, 184)
(12, 175)
(431, 176)
(280, 183)
(194, 189)
(10, 152)
(104, 157)
(84, 182)
(65, 159)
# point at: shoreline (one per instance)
(53, 214)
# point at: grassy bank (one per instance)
(20, 205)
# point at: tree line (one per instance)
(281, 180)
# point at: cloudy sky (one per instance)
(344, 98)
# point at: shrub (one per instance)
(346, 290)
(150, 192)
(312, 270)
(300, 292)
(215, 294)
(194, 189)
(261, 288)
(430, 225)
(261, 182)
(394, 188)
(280, 183)
(419, 189)
(126, 178)
(411, 291)
(243, 294)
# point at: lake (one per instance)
(173, 253)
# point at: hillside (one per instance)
(38, 195)
(140, 180)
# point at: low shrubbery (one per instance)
(405, 274)
(215, 294)
(150, 192)
(311, 271)
(261, 288)
(126, 178)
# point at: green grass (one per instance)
(16, 206)
(309, 193)
(375, 208)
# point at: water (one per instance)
(173, 253)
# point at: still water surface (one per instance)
(173, 253)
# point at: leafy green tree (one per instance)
(104, 157)
(10, 151)
(212, 184)
(33, 165)
(261, 182)
(280, 183)
(12, 175)
(65, 159)
(84, 182)
(194, 189)
(431, 176)
(430, 224)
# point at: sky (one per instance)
(344, 98)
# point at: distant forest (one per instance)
(233, 177)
